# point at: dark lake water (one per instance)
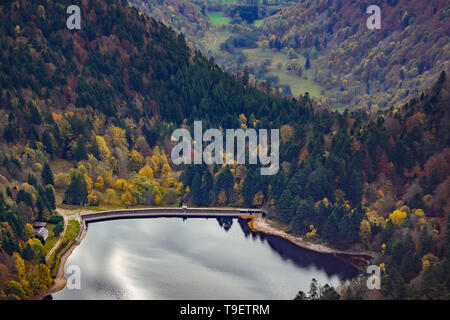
(172, 258)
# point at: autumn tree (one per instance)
(127, 198)
(364, 231)
(99, 184)
(222, 198)
(397, 217)
(136, 161)
(28, 232)
(146, 171)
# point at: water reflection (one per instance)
(173, 258)
(225, 222)
(302, 257)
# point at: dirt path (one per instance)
(61, 236)
(60, 280)
(67, 215)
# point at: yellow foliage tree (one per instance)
(82, 169)
(428, 260)
(312, 233)
(405, 209)
(165, 169)
(419, 212)
(45, 280)
(364, 231)
(118, 137)
(127, 198)
(397, 217)
(92, 199)
(258, 199)
(41, 11)
(146, 171)
(242, 118)
(20, 266)
(103, 148)
(89, 183)
(427, 198)
(36, 247)
(37, 167)
(99, 185)
(157, 199)
(155, 161)
(286, 132)
(28, 232)
(136, 161)
(62, 180)
(121, 184)
(222, 198)
(110, 196)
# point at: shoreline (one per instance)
(60, 280)
(256, 223)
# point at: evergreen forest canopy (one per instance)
(86, 116)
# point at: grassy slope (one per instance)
(258, 23)
(218, 18)
(51, 240)
(71, 233)
(299, 85)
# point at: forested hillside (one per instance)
(362, 68)
(189, 17)
(86, 116)
(102, 101)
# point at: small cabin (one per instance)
(39, 224)
(40, 229)
(43, 232)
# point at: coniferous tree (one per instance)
(10, 133)
(285, 206)
(307, 64)
(31, 180)
(50, 193)
(27, 252)
(47, 175)
(207, 188)
(76, 192)
(196, 190)
(47, 142)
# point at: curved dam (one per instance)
(165, 212)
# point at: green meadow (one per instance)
(218, 18)
(299, 85)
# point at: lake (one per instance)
(196, 258)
